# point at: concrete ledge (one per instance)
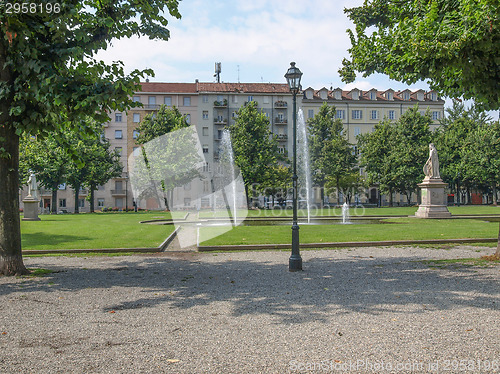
(104, 250)
(248, 247)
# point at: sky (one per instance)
(255, 41)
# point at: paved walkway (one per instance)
(352, 310)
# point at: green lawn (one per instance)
(385, 211)
(94, 231)
(395, 229)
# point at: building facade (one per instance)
(210, 107)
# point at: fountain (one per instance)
(303, 148)
(345, 213)
(227, 157)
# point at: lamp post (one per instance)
(293, 76)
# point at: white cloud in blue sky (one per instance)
(255, 42)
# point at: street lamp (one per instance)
(293, 76)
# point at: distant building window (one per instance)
(392, 114)
(340, 114)
(187, 201)
(100, 203)
(136, 99)
(357, 131)
(205, 131)
(152, 100)
(435, 116)
(357, 114)
(389, 96)
(206, 187)
(234, 99)
(206, 167)
(167, 101)
(137, 117)
(118, 134)
(62, 203)
(373, 95)
(310, 113)
(204, 98)
(81, 203)
(119, 202)
(266, 99)
(250, 98)
(118, 117)
(187, 101)
(205, 114)
(220, 98)
(281, 150)
(374, 114)
(135, 134)
(433, 96)
(205, 148)
(406, 96)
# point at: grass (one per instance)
(395, 229)
(461, 262)
(94, 231)
(361, 211)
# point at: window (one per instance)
(206, 187)
(205, 148)
(187, 101)
(435, 116)
(281, 117)
(234, 114)
(406, 96)
(167, 101)
(357, 114)
(373, 95)
(250, 98)
(62, 203)
(135, 134)
(433, 96)
(219, 134)
(220, 98)
(310, 113)
(206, 167)
(266, 99)
(373, 114)
(204, 98)
(205, 114)
(357, 131)
(188, 118)
(152, 100)
(136, 99)
(340, 114)
(392, 114)
(234, 99)
(81, 203)
(118, 117)
(119, 202)
(119, 186)
(187, 201)
(282, 150)
(100, 203)
(118, 134)
(137, 117)
(119, 150)
(205, 131)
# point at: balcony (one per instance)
(280, 121)
(118, 192)
(280, 104)
(220, 104)
(281, 137)
(220, 121)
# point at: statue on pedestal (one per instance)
(431, 167)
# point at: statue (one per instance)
(32, 186)
(431, 167)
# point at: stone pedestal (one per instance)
(433, 199)
(31, 209)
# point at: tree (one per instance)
(451, 43)
(50, 78)
(332, 156)
(254, 146)
(168, 153)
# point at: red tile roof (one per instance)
(244, 87)
(168, 87)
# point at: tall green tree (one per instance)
(332, 156)
(453, 44)
(254, 146)
(169, 155)
(50, 77)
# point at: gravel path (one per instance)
(351, 310)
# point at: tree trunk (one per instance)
(53, 208)
(497, 253)
(390, 198)
(248, 198)
(92, 190)
(11, 260)
(77, 197)
(495, 195)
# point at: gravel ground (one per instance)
(351, 310)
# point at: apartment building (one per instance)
(210, 107)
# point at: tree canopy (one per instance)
(454, 44)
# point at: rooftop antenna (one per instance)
(218, 70)
(238, 73)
